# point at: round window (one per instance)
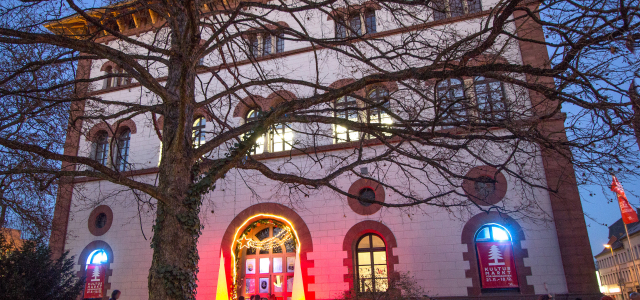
(101, 220)
(367, 194)
(485, 187)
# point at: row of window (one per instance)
(614, 278)
(619, 258)
(269, 271)
(350, 25)
(455, 107)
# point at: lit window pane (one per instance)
(97, 257)
(380, 272)
(364, 258)
(500, 234)
(377, 242)
(364, 243)
(379, 257)
(484, 234)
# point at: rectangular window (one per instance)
(346, 108)
(280, 43)
(254, 46)
(266, 45)
(355, 25)
(370, 21)
(281, 138)
(341, 30)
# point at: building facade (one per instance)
(618, 261)
(257, 241)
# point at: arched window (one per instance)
(371, 264)
(122, 150)
(452, 103)
(346, 108)
(490, 99)
(101, 147)
(97, 257)
(281, 137)
(496, 260)
(268, 256)
(252, 116)
(199, 137)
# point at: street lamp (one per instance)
(620, 280)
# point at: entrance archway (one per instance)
(234, 252)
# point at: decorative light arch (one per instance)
(228, 273)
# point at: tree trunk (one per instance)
(177, 226)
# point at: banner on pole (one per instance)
(629, 214)
(94, 285)
(497, 266)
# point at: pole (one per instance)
(633, 256)
(618, 277)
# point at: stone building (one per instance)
(256, 241)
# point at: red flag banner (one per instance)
(93, 287)
(497, 267)
(629, 214)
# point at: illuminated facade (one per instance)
(257, 241)
(617, 276)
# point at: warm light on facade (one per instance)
(298, 288)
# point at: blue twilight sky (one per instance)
(601, 209)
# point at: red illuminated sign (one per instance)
(497, 266)
(94, 284)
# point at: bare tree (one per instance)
(423, 99)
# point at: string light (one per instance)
(279, 239)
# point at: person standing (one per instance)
(115, 295)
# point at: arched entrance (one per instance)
(280, 239)
(266, 252)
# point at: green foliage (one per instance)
(28, 272)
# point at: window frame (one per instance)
(444, 9)
(345, 23)
(274, 133)
(371, 250)
(491, 103)
(250, 118)
(198, 134)
(456, 106)
(370, 21)
(101, 147)
(122, 145)
(345, 108)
